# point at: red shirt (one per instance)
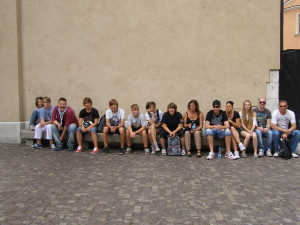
(68, 118)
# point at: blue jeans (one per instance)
(218, 133)
(260, 135)
(34, 117)
(294, 136)
(71, 135)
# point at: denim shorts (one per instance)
(92, 130)
(218, 133)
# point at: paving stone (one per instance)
(49, 187)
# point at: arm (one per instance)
(235, 124)
(185, 120)
(83, 129)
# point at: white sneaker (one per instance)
(128, 150)
(294, 155)
(52, 146)
(255, 156)
(147, 151)
(156, 147)
(269, 153)
(241, 146)
(237, 154)
(153, 152)
(183, 152)
(261, 153)
(229, 155)
(31, 127)
(211, 155)
(275, 154)
(164, 151)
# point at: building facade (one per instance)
(135, 51)
(291, 27)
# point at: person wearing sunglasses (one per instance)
(217, 126)
(263, 129)
(281, 118)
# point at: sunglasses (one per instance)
(282, 106)
(262, 102)
(216, 106)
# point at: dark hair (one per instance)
(37, 99)
(196, 104)
(172, 106)
(62, 99)
(229, 102)
(87, 100)
(149, 104)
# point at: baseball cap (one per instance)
(216, 102)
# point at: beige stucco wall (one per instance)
(10, 71)
(141, 50)
(291, 40)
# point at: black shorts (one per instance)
(164, 134)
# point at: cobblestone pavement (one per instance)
(49, 187)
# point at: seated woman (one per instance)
(88, 122)
(249, 124)
(153, 117)
(172, 125)
(193, 123)
(34, 120)
(235, 124)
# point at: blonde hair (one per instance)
(248, 122)
(135, 107)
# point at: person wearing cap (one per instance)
(263, 129)
(217, 126)
(281, 118)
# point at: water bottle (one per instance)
(193, 126)
(220, 153)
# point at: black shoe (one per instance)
(105, 150)
(122, 151)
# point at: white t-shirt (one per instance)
(156, 119)
(136, 122)
(254, 118)
(115, 118)
(283, 120)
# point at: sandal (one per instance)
(189, 154)
(198, 154)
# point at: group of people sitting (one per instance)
(254, 124)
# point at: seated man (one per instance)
(217, 125)
(281, 118)
(88, 121)
(136, 126)
(64, 120)
(45, 115)
(115, 120)
(263, 129)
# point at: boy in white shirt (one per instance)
(136, 126)
(115, 120)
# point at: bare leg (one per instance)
(105, 136)
(210, 140)
(79, 138)
(122, 136)
(228, 143)
(94, 139)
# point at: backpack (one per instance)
(173, 146)
(102, 123)
(284, 150)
